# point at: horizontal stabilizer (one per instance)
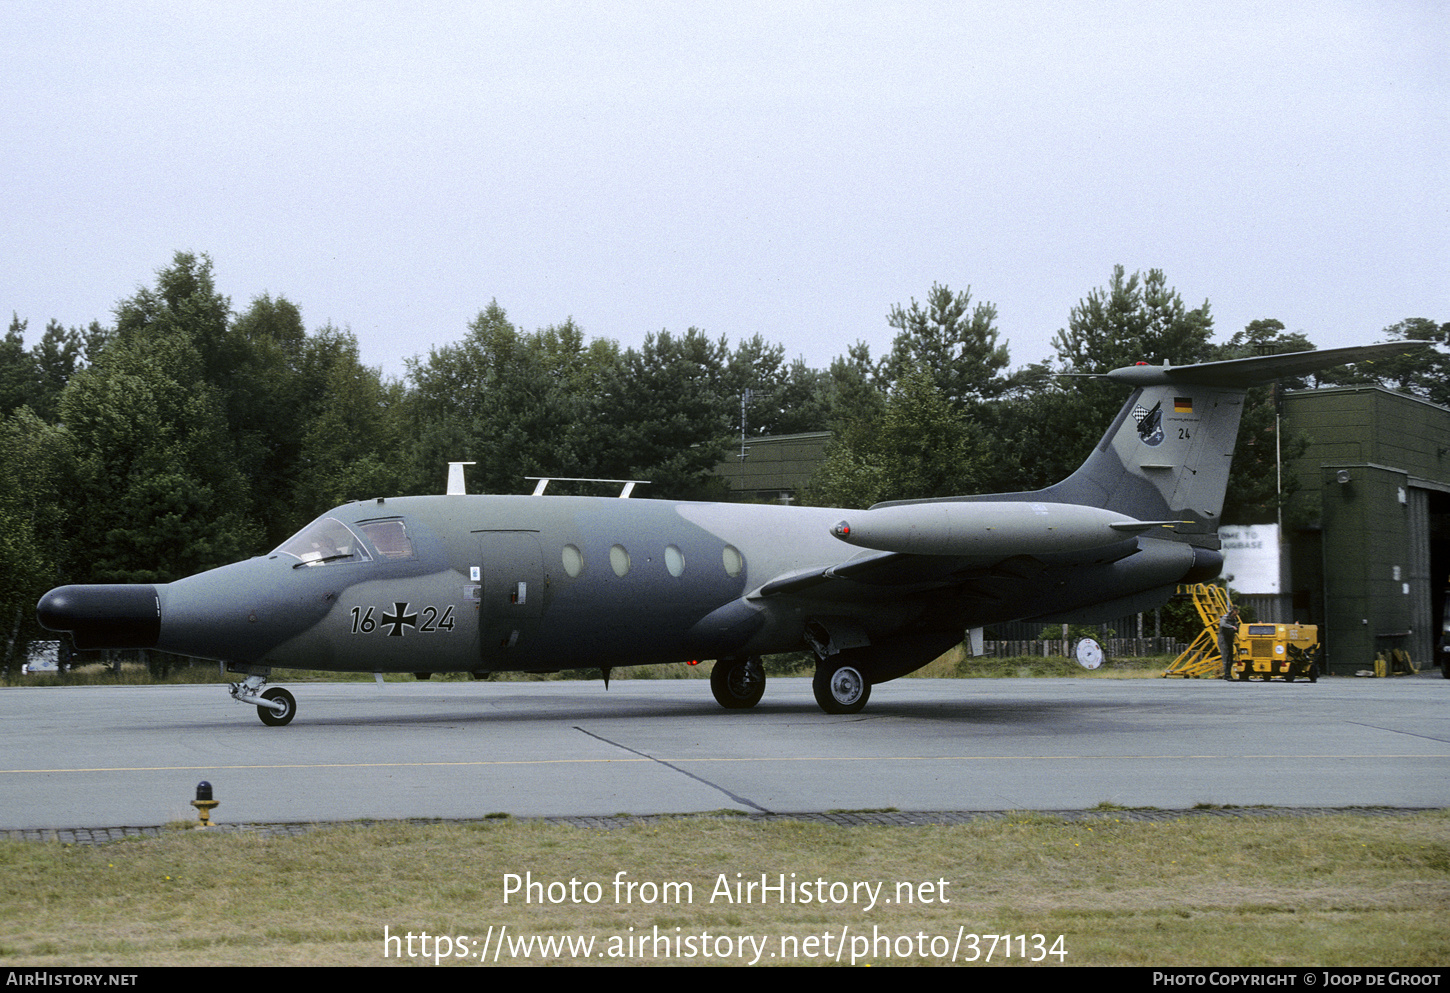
(1259, 369)
(1138, 527)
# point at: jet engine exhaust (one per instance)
(1207, 564)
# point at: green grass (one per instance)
(1209, 890)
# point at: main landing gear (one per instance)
(275, 707)
(840, 688)
(738, 684)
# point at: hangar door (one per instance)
(1429, 566)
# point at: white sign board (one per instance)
(1251, 557)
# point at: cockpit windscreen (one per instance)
(325, 541)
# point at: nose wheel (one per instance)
(276, 707)
(271, 715)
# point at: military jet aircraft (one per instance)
(481, 584)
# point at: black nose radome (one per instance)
(103, 616)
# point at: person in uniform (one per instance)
(1228, 631)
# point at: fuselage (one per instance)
(520, 583)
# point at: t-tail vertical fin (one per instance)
(1166, 456)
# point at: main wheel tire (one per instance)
(840, 689)
(738, 684)
(273, 718)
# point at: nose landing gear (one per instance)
(276, 707)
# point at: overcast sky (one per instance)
(786, 169)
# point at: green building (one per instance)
(774, 468)
(1372, 567)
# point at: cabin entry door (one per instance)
(511, 595)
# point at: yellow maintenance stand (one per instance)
(1202, 659)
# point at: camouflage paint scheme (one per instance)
(529, 583)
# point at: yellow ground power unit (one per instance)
(1277, 651)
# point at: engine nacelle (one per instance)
(987, 528)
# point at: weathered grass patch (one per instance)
(1338, 890)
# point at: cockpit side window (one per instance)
(323, 542)
(390, 538)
